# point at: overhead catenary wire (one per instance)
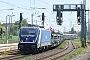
(45, 3)
(29, 8)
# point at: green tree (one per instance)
(16, 23)
(24, 23)
(15, 26)
(14, 30)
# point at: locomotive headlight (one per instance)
(21, 40)
(57, 17)
(33, 40)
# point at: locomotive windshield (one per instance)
(28, 31)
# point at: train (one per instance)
(70, 36)
(36, 39)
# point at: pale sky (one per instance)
(24, 6)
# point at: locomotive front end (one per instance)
(28, 39)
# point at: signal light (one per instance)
(59, 22)
(20, 20)
(20, 17)
(78, 16)
(79, 21)
(43, 17)
(58, 13)
(78, 12)
(59, 17)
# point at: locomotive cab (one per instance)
(28, 39)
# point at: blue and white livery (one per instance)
(33, 38)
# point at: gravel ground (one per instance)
(83, 55)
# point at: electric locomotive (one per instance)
(32, 39)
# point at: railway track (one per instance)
(89, 56)
(9, 48)
(45, 55)
(12, 55)
(84, 55)
(48, 55)
(60, 54)
(9, 52)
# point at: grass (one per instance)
(77, 51)
(87, 40)
(50, 50)
(62, 45)
(5, 52)
(78, 42)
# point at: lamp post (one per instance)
(11, 28)
(6, 30)
(10, 25)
